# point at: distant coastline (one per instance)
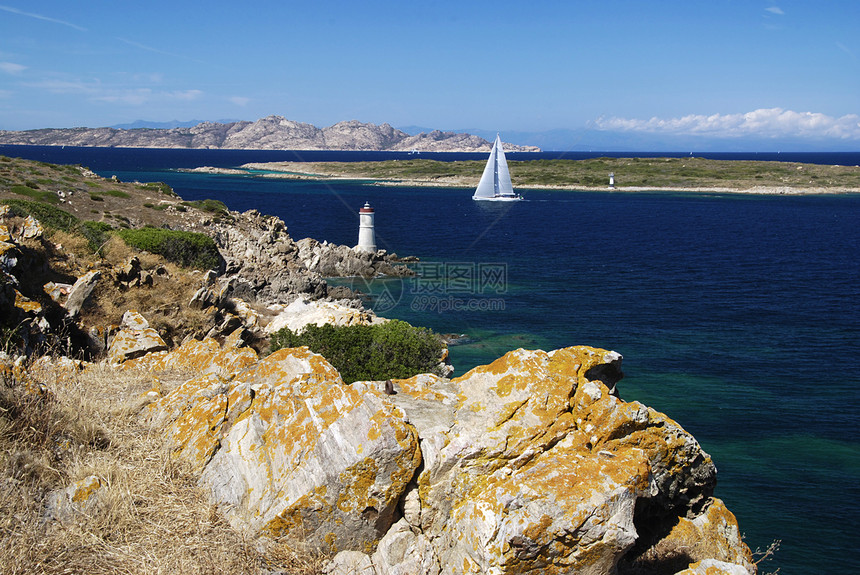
(396, 175)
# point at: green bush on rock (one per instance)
(188, 249)
(369, 352)
(50, 216)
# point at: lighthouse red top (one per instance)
(366, 209)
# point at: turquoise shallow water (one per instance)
(737, 316)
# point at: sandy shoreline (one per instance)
(271, 171)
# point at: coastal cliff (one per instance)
(269, 133)
(531, 464)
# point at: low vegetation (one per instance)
(369, 352)
(629, 172)
(86, 196)
(47, 214)
(188, 249)
(149, 516)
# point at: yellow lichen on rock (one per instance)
(205, 356)
(530, 464)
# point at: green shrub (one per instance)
(188, 249)
(212, 206)
(50, 216)
(96, 233)
(39, 196)
(117, 194)
(162, 187)
(369, 352)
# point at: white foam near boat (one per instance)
(495, 184)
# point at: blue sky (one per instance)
(716, 70)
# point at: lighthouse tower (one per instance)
(366, 235)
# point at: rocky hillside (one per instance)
(270, 133)
(68, 272)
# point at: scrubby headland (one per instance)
(630, 174)
(179, 444)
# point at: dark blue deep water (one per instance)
(739, 316)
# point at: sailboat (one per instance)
(495, 184)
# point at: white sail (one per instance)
(495, 182)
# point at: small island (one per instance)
(688, 174)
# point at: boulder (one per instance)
(31, 229)
(310, 458)
(134, 339)
(532, 466)
(57, 291)
(301, 313)
(80, 291)
(9, 255)
(528, 465)
(201, 357)
(81, 498)
(288, 450)
(714, 567)
(202, 298)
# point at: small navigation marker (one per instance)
(611, 180)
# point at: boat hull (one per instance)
(498, 199)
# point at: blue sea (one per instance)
(738, 316)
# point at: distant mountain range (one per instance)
(270, 133)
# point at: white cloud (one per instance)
(239, 100)
(135, 97)
(141, 96)
(40, 17)
(846, 49)
(775, 10)
(96, 91)
(150, 78)
(770, 122)
(148, 48)
(65, 86)
(184, 95)
(12, 68)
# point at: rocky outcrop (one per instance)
(332, 260)
(269, 133)
(301, 313)
(30, 317)
(267, 266)
(260, 257)
(530, 464)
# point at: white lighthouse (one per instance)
(366, 235)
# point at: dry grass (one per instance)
(165, 305)
(150, 516)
